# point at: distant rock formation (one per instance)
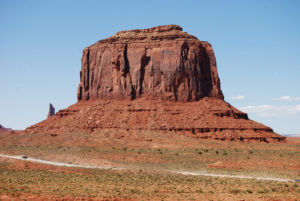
(153, 80)
(51, 110)
(3, 129)
(159, 62)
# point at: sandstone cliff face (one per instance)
(161, 62)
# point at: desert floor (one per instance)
(146, 166)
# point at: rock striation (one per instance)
(160, 80)
(162, 62)
(51, 111)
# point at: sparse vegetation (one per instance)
(149, 159)
(106, 184)
(205, 150)
(249, 191)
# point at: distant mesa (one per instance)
(159, 79)
(51, 111)
(3, 129)
(292, 135)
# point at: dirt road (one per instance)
(25, 158)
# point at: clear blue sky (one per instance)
(257, 45)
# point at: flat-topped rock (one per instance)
(161, 63)
(173, 32)
(157, 80)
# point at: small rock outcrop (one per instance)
(160, 62)
(51, 110)
(3, 129)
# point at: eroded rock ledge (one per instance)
(208, 118)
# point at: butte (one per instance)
(159, 79)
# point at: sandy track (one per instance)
(20, 157)
(233, 176)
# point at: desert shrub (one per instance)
(273, 189)
(199, 191)
(249, 191)
(235, 191)
(263, 191)
(134, 191)
(208, 181)
(217, 152)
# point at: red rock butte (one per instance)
(159, 79)
(161, 62)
